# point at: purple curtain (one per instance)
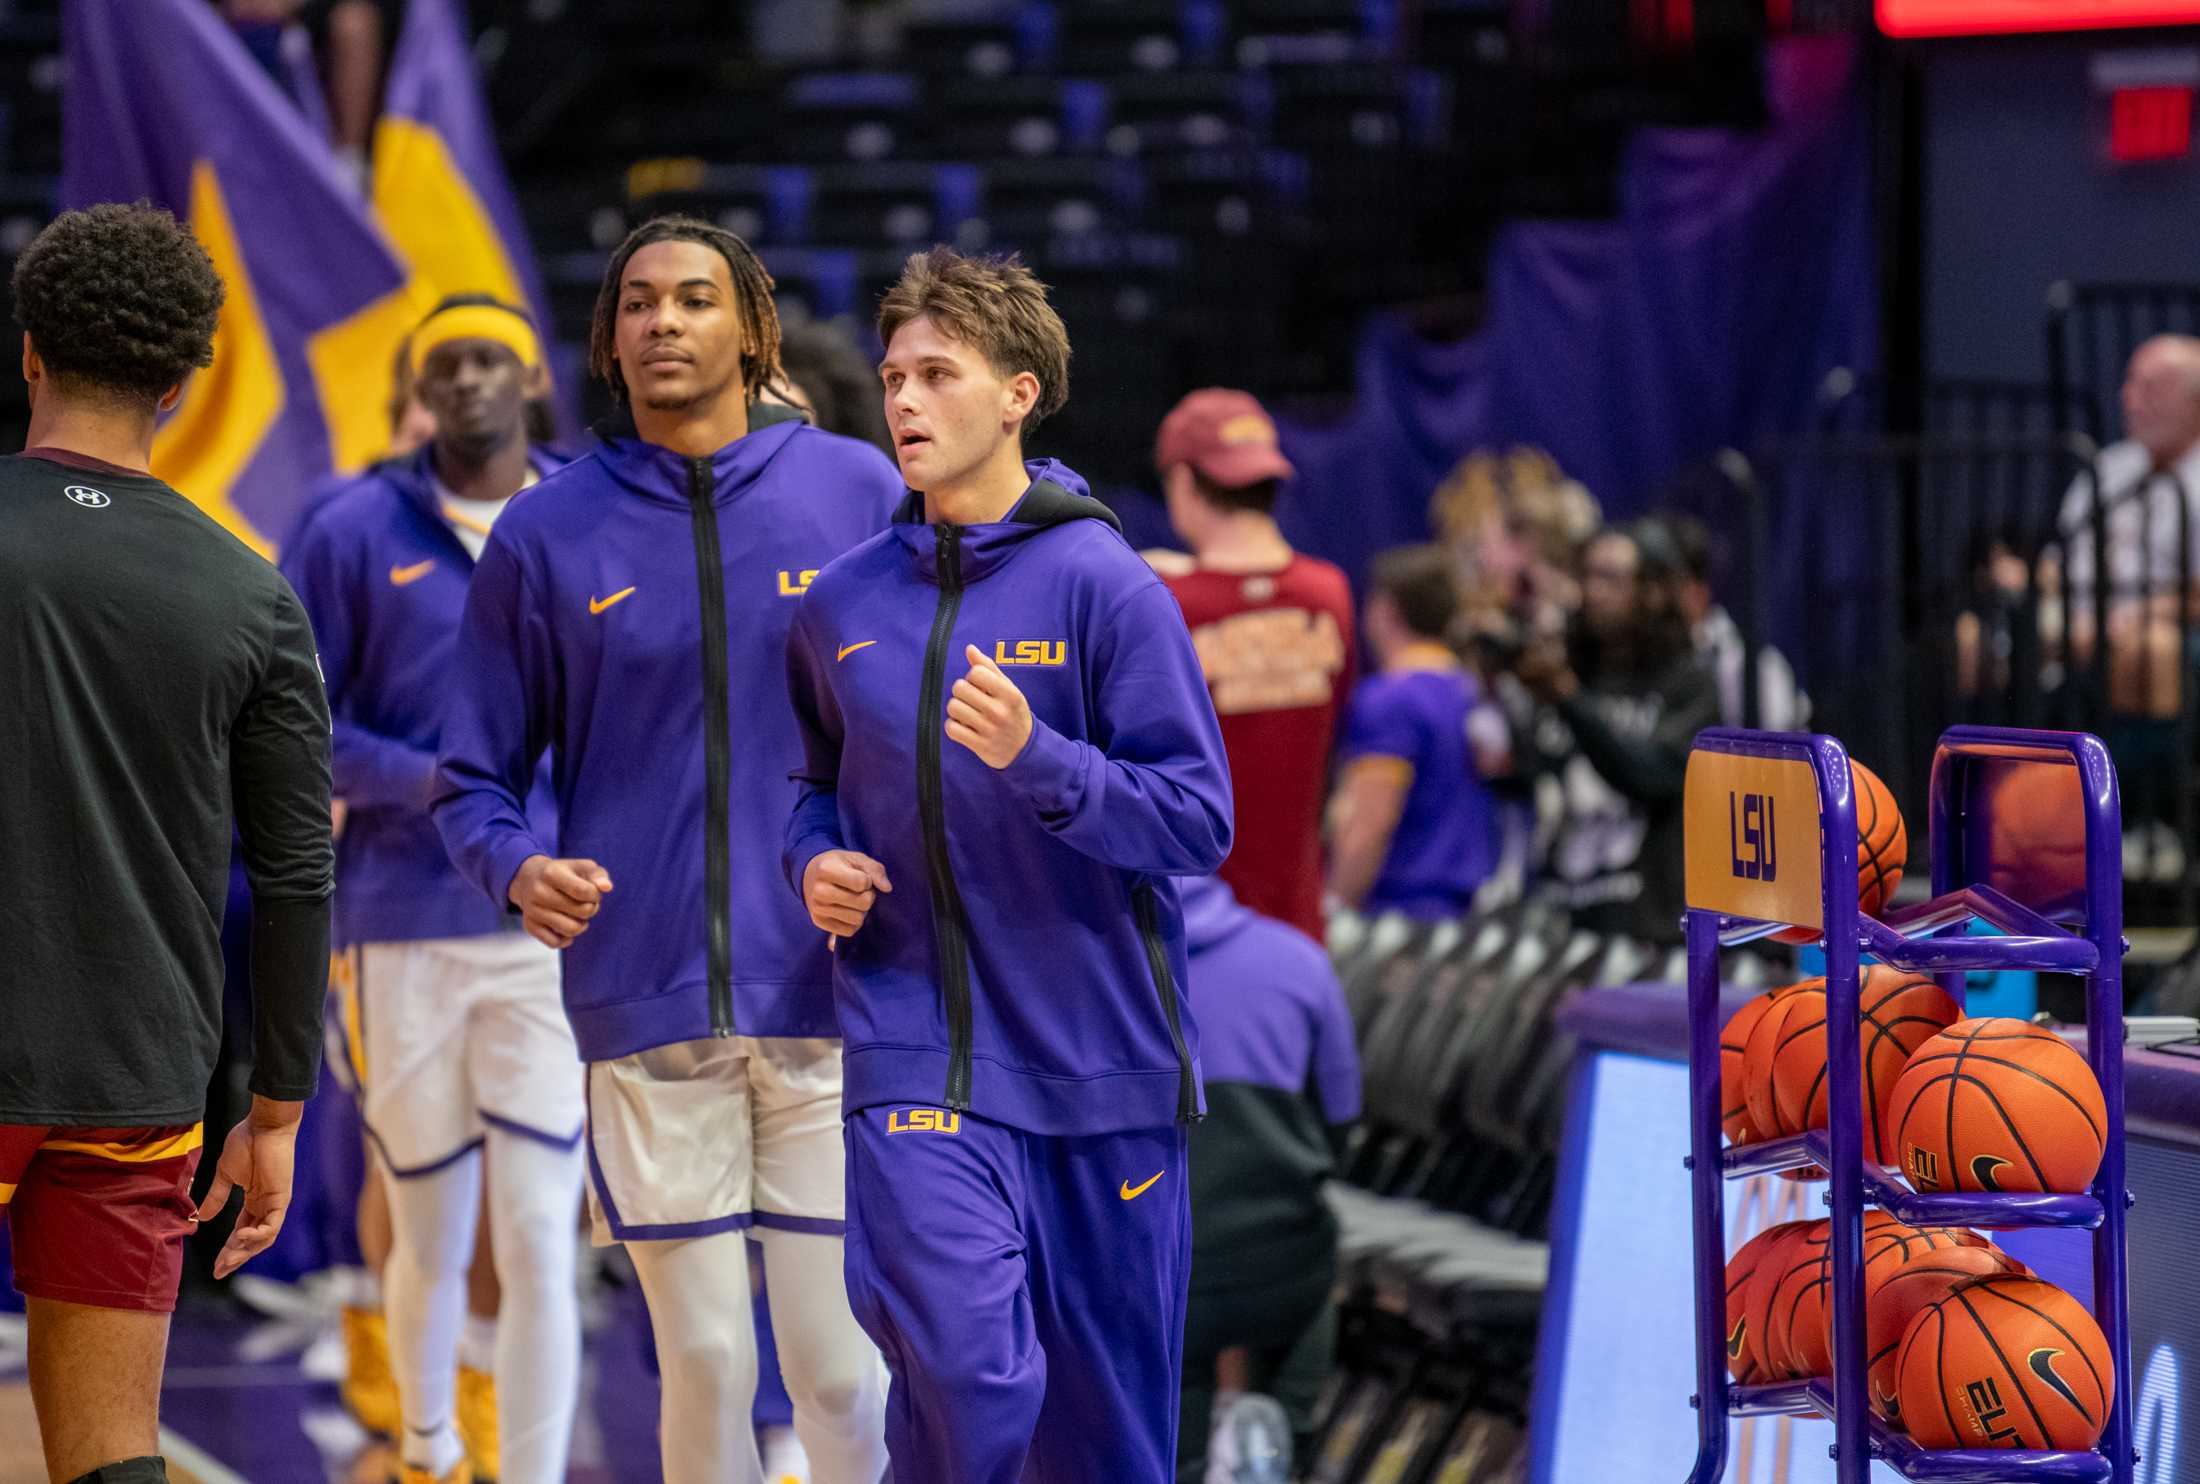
(1738, 272)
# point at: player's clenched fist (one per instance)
(839, 886)
(986, 713)
(556, 898)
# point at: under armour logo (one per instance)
(88, 497)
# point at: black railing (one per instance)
(2092, 330)
(1866, 405)
(1965, 552)
(1941, 578)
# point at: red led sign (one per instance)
(2150, 124)
(1989, 17)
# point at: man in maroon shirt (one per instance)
(1274, 633)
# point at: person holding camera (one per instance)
(1618, 701)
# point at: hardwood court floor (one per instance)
(238, 1407)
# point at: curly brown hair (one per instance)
(119, 301)
(752, 296)
(995, 305)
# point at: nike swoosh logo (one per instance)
(407, 576)
(1133, 1192)
(848, 649)
(1983, 1169)
(598, 605)
(2042, 1362)
(1734, 1340)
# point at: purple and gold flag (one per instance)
(163, 103)
(440, 190)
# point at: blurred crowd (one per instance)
(2121, 559)
(1534, 678)
(1536, 673)
(327, 55)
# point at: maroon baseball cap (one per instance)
(1226, 436)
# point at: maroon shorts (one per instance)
(98, 1216)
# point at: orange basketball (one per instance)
(1998, 1105)
(2005, 1362)
(1804, 1301)
(1801, 1006)
(1733, 1062)
(1882, 848)
(1898, 1012)
(1897, 1290)
(1768, 1345)
(2038, 813)
(1741, 1351)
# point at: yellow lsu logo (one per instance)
(1031, 652)
(923, 1121)
(795, 584)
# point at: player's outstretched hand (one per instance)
(257, 1158)
(986, 713)
(557, 898)
(839, 886)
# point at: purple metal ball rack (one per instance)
(1979, 871)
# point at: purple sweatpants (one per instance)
(1027, 1291)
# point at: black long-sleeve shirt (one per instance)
(157, 683)
(1618, 752)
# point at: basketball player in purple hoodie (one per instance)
(1021, 1065)
(630, 617)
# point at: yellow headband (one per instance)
(476, 322)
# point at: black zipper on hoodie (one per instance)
(1164, 983)
(949, 925)
(710, 577)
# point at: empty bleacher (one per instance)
(1444, 1203)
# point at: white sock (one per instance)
(533, 1347)
(784, 1459)
(432, 1220)
(477, 1343)
(699, 1305)
(834, 1374)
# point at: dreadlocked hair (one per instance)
(752, 296)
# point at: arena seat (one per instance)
(1150, 113)
(907, 203)
(1359, 107)
(984, 46)
(1018, 116)
(1397, 949)
(1138, 35)
(769, 205)
(852, 116)
(821, 282)
(1235, 194)
(1340, 28)
(1446, 1184)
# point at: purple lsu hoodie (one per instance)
(384, 578)
(1028, 965)
(630, 616)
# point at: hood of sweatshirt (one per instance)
(1057, 496)
(657, 473)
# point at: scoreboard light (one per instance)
(2001, 17)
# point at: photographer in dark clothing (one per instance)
(1618, 703)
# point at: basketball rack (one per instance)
(1749, 796)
